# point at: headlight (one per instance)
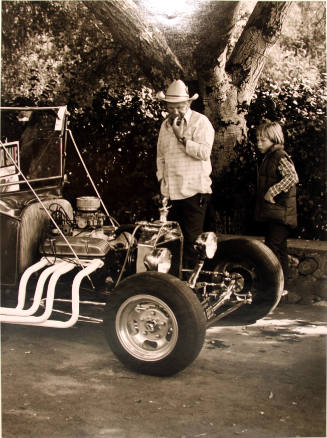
(159, 259)
(206, 245)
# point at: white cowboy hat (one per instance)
(176, 92)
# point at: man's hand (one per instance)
(269, 198)
(178, 129)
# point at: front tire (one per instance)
(260, 273)
(154, 323)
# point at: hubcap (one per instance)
(146, 327)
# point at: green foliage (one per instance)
(301, 111)
(117, 137)
(55, 54)
(52, 53)
(300, 53)
(291, 91)
(234, 192)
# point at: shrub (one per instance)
(301, 111)
(117, 137)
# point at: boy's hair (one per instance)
(271, 130)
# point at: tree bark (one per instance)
(131, 28)
(232, 83)
(214, 27)
(224, 84)
(259, 35)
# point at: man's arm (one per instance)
(160, 157)
(200, 146)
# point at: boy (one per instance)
(276, 191)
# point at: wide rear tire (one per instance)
(261, 275)
(154, 324)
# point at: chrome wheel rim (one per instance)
(146, 327)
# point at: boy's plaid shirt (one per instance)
(289, 177)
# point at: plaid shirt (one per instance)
(184, 171)
(289, 177)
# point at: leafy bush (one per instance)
(301, 111)
(117, 137)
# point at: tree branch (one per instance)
(215, 25)
(128, 26)
(259, 35)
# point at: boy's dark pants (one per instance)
(190, 214)
(276, 239)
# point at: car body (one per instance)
(156, 312)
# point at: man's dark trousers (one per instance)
(190, 214)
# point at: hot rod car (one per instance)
(156, 313)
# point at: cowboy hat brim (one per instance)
(175, 99)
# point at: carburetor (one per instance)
(87, 213)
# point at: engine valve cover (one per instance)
(83, 246)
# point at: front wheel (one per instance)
(154, 323)
(257, 272)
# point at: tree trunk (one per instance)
(225, 85)
(233, 83)
(130, 27)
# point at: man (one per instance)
(183, 163)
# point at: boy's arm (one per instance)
(289, 178)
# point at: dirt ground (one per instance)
(262, 381)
